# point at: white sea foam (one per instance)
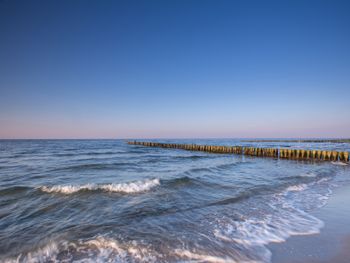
(339, 163)
(323, 180)
(296, 188)
(253, 234)
(196, 257)
(105, 249)
(131, 187)
(287, 216)
(67, 189)
(99, 249)
(42, 254)
(308, 175)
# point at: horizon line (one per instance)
(188, 138)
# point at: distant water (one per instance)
(106, 201)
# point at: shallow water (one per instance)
(106, 201)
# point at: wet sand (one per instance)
(331, 245)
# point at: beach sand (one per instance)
(332, 245)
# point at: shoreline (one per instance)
(331, 245)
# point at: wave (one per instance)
(64, 154)
(181, 181)
(309, 177)
(106, 249)
(283, 217)
(103, 153)
(13, 190)
(79, 153)
(91, 166)
(98, 249)
(131, 187)
(198, 170)
(219, 167)
(192, 157)
(271, 228)
(210, 169)
(225, 166)
(47, 253)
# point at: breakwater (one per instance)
(282, 153)
(302, 140)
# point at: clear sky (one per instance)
(180, 68)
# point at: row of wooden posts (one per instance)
(253, 151)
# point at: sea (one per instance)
(107, 201)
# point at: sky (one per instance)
(174, 69)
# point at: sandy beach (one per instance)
(331, 245)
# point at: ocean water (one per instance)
(107, 201)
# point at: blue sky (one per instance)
(174, 69)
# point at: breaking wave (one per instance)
(98, 249)
(131, 187)
(47, 253)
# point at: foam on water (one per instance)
(46, 253)
(131, 187)
(299, 187)
(284, 217)
(309, 174)
(98, 249)
(340, 163)
(104, 249)
(196, 257)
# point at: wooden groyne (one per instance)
(282, 153)
(301, 140)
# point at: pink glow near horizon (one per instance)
(56, 130)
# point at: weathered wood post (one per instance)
(335, 155)
(344, 156)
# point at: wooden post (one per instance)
(319, 154)
(335, 156)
